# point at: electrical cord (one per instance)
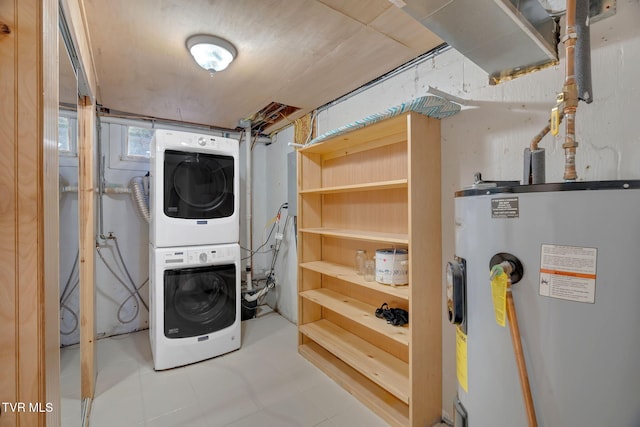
(271, 277)
(269, 281)
(256, 251)
(314, 116)
(393, 316)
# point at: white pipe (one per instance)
(249, 243)
(259, 294)
(116, 189)
(109, 189)
(69, 189)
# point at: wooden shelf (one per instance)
(348, 274)
(370, 186)
(380, 367)
(392, 410)
(371, 236)
(374, 187)
(359, 312)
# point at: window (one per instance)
(64, 135)
(67, 138)
(138, 142)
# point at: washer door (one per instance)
(199, 301)
(198, 185)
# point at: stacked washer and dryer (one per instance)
(194, 252)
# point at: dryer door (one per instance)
(198, 185)
(199, 300)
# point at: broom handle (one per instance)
(522, 367)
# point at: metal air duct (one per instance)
(506, 38)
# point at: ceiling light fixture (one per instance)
(210, 52)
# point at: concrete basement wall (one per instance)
(490, 135)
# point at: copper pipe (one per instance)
(536, 139)
(570, 94)
(522, 367)
(533, 145)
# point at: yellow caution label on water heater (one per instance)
(461, 359)
(499, 281)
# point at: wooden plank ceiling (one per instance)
(302, 53)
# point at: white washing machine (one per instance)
(194, 190)
(194, 309)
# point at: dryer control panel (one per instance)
(189, 142)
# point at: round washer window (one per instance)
(201, 298)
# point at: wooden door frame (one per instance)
(76, 22)
(29, 209)
(29, 206)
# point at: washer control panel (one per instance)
(175, 258)
(199, 256)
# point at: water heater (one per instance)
(577, 300)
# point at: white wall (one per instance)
(285, 298)
(491, 135)
(122, 220)
(269, 192)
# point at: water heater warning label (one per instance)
(568, 272)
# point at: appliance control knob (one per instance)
(203, 257)
(202, 141)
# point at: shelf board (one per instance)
(370, 186)
(348, 274)
(378, 400)
(389, 131)
(372, 236)
(389, 372)
(357, 311)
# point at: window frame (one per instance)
(126, 156)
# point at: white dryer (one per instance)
(194, 309)
(194, 194)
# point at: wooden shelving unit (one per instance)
(373, 188)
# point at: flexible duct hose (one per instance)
(140, 196)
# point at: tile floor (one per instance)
(265, 383)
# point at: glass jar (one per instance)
(370, 270)
(361, 256)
